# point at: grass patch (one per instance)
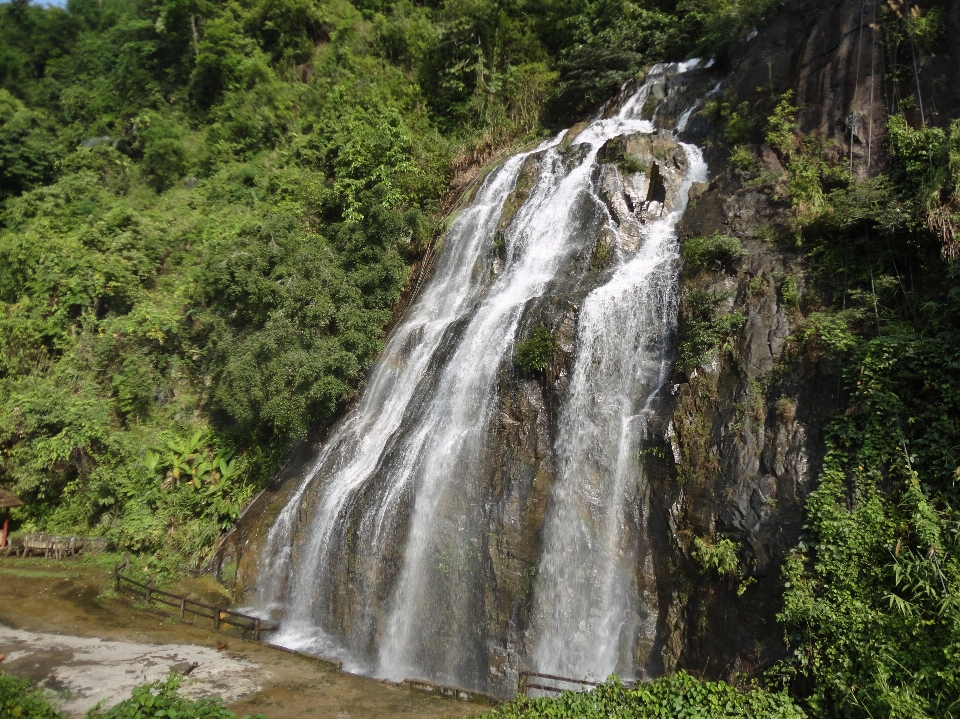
(37, 573)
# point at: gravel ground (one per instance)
(88, 671)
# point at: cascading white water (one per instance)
(587, 614)
(376, 558)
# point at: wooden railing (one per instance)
(219, 615)
(525, 684)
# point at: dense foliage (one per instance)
(707, 327)
(680, 696)
(874, 597)
(716, 250)
(19, 701)
(872, 607)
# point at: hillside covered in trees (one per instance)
(210, 209)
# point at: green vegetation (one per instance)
(615, 152)
(872, 607)
(721, 557)
(209, 211)
(680, 696)
(19, 701)
(716, 250)
(160, 699)
(537, 352)
(707, 327)
(873, 600)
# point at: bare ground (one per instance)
(62, 627)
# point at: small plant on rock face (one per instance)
(535, 353)
(721, 558)
(786, 410)
(790, 291)
(629, 164)
(706, 328)
(743, 159)
(716, 250)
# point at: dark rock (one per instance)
(184, 668)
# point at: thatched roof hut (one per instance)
(8, 499)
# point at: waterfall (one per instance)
(588, 609)
(379, 555)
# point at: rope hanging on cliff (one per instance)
(856, 83)
(916, 73)
(873, 82)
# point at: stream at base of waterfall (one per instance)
(381, 557)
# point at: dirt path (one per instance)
(58, 629)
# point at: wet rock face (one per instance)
(639, 172)
(638, 179)
(831, 56)
(746, 444)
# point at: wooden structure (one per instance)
(55, 546)
(556, 685)
(219, 615)
(7, 500)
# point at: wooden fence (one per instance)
(52, 545)
(525, 684)
(218, 615)
(221, 616)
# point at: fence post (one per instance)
(522, 683)
(116, 578)
(256, 629)
(216, 618)
(146, 593)
(183, 601)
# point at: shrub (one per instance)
(744, 159)
(680, 695)
(720, 557)
(535, 353)
(164, 162)
(790, 292)
(717, 250)
(829, 332)
(705, 329)
(17, 701)
(161, 699)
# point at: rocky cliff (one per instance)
(747, 427)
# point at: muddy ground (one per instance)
(62, 626)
